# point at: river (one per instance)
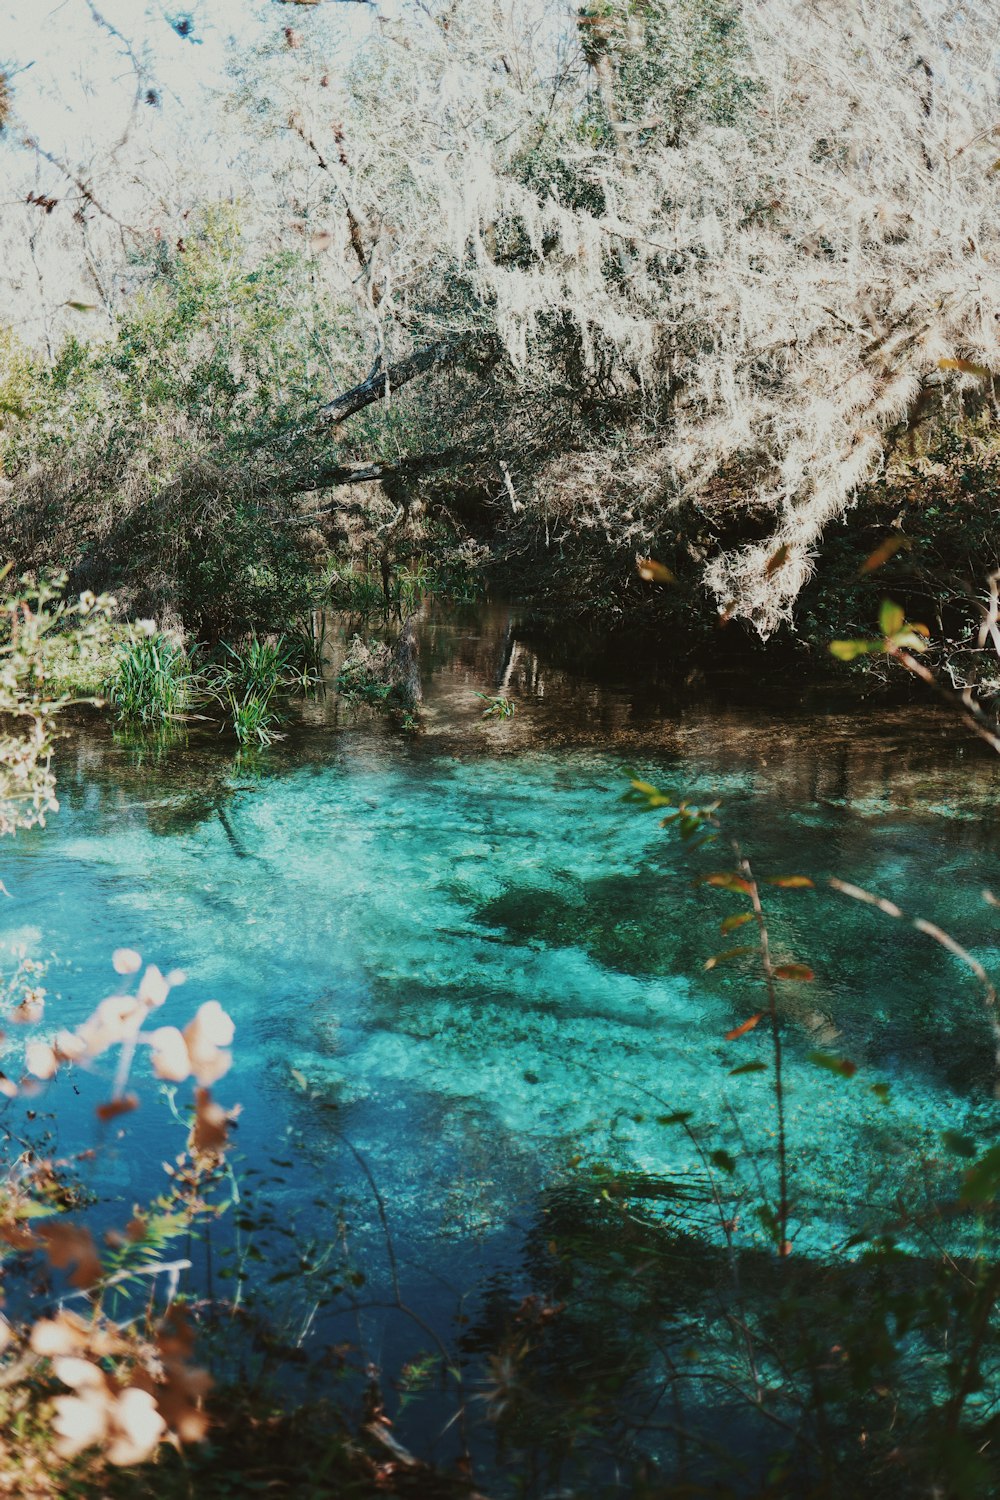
(469, 986)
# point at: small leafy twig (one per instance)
(932, 930)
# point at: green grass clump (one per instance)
(252, 717)
(258, 665)
(151, 681)
(356, 592)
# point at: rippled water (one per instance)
(489, 973)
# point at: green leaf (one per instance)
(750, 1067)
(961, 1145)
(848, 650)
(842, 1067)
(881, 1091)
(982, 1182)
(891, 618)
(646, 795)
(31, 1209)
(769, 1219)
(679, 1117)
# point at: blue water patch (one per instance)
(485, 969)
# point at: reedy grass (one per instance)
(258, 665)
(152, 680)
(246, 680)
(252, 717)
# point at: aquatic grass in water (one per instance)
(252, 717)
(151, 682)
(259, 665)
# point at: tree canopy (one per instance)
(598, 264)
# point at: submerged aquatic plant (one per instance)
(497, 707)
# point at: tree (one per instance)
(601, 269)
(669, 250)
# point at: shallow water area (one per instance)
(457, 956)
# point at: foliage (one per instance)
(739, 290)
(151, 682)
(497, 707)
(689, 274)
(44, 639)
(140, 459)
(365, 672)
(90, 1380)
(252, 716)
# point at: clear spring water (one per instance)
(490, 973)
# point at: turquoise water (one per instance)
(488, 972)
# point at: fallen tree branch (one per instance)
(335, 476)
(382, 382)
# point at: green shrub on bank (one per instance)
(365, 673)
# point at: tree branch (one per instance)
(381, 382)
(333, 476)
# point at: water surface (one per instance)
(457, 954)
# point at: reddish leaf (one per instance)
(777, 560)
(653, 571)
(966, 367)
(794, 971)
(71, 1245)
(842, 1066)
(115, 1107)
(727, 881)
(739, 1031)
(883, 552)
(737, 920)
(792, 882)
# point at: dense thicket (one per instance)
(676, 275)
